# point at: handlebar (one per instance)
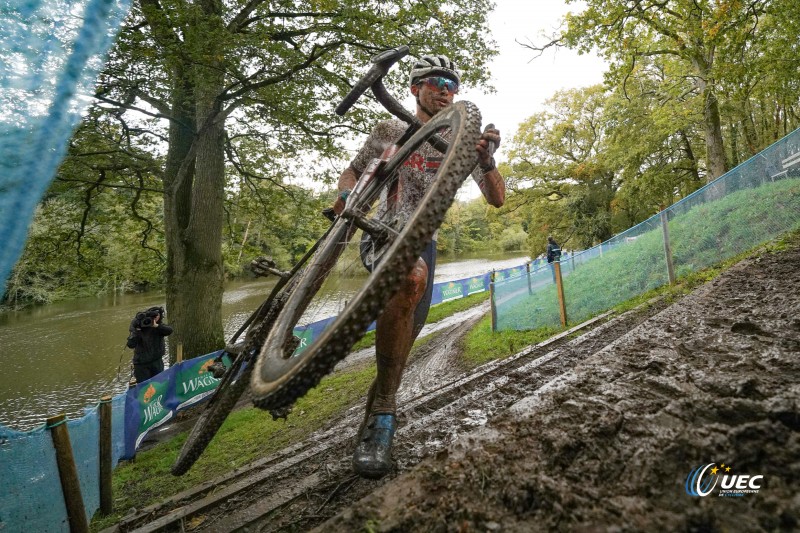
(381, 64)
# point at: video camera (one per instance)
(146, 319)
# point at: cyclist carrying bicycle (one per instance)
(434, 81)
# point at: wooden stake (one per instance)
(106, 499)
(528, 268)
(68, 472)
(180, 352)
(562, 307)
(667, 247)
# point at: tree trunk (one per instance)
(177, 205)
(734, 145)
(715, 147)
(193, 203)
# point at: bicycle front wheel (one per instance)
(351, 277)
(231, 386)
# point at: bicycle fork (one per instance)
(354, 212)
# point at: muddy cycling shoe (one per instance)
(373, 456)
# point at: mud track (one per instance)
(589, 432)
(303, 486)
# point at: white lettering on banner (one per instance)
(153, 410)
(199, 382)
(740, 482)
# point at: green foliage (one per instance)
(561, 181)
(98, 227)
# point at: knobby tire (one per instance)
(278, 381)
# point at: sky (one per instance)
(523, 83)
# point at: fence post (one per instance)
(572, 260)
(68, 473)
(179, 354)
(667, 246)
(491, 276)
(562, 307)
(492, 305)
(528, 268)
(106, 498)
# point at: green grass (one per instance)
(443, 310)
(482, 346)
(246, 435)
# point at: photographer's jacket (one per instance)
(148, 343)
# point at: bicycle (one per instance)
(387, 249)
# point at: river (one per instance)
(65, 356)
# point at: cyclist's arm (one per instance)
(492, 186)
(487, 176)
(347, 181)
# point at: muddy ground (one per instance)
(607, 444)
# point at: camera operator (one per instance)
(147, 340)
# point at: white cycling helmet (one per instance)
(428, 66)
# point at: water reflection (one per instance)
(66, 356)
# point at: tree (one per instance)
(218, 75)
(690, 32)
(559, 170)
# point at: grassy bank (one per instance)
(700, 237)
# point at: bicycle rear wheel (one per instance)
(282, 373)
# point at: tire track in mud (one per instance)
(299, 488)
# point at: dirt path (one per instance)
(608, 444)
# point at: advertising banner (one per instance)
(150, 404)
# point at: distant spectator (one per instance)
(553, 254)
(147, 340)
(553, 250)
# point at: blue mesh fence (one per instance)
(50, 53)
(31, 498)
(756, 202)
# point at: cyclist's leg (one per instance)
(396, 330)
(394, 335)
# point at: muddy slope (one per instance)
(608, 445)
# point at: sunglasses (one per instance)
(439, 83)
